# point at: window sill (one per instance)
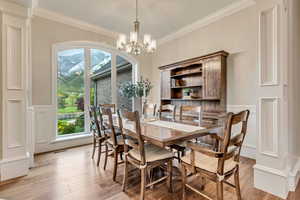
(72, 137)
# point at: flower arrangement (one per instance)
(139, 89)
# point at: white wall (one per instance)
(294, 93)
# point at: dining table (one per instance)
(163, 132)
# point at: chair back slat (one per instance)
(111, 106)
(107, 113)
(94, 122)
(100, 119)
(231, 145)
(149, 110)
(170, 109)
(132, 118)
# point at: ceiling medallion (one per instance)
(135, 45)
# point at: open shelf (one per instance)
(180, 99)
(187, 86)
(195, 99)
(186, 74)
(203, 77)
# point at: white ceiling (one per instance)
(158, 17)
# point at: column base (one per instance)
(13, 168)
(271, 180)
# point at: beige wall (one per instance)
(294, 81)
(236, 34)
(45, 33)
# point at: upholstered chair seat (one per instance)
(152, 153)
(208, 163)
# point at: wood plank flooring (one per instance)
(73, 175)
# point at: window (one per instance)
(101, 76)
(124, 74)
(87, 74)
(70, 92)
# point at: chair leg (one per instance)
(125, 175)
(115, 164)
(182, 153)
(169, 181)
(143, 183)
(237, 184)
(183, 174)
(121, 156)
(99, 153)
(150, 177)
(220, 190)
(94, 148)
(106, 156)
(203, 182)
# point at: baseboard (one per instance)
(294, 176)
(13, 168)
(271, 180)
(53, 146)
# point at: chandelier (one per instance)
(135, 45)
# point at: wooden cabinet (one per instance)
(198, 81)
(165, 92)
(211, 79)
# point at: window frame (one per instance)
(87, 46)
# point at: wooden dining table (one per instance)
(164, 133)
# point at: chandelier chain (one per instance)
(136, 10)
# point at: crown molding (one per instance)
(13, 8)
(53, 16)
(26, 3)
(229, 10)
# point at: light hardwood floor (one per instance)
(72, 175)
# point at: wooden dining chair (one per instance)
(143, 156)
(99, 136)
(218, 166)
(149, 110)
(167, 109)
(115, 142)
(112, 107)
(188, 113)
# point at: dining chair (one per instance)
(99, 136)
(149, 110)
(167, 109)
(218, 166)
(193, 114)
(112, 107)
(187, 114)
(115, 142)
(144, 156)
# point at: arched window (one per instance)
(87, 74)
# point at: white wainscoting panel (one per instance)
(268, 51)
(268, 126)
(15, 124)
(249, 146)
(14, 57)
(44, 127)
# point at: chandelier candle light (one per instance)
(135, 45)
